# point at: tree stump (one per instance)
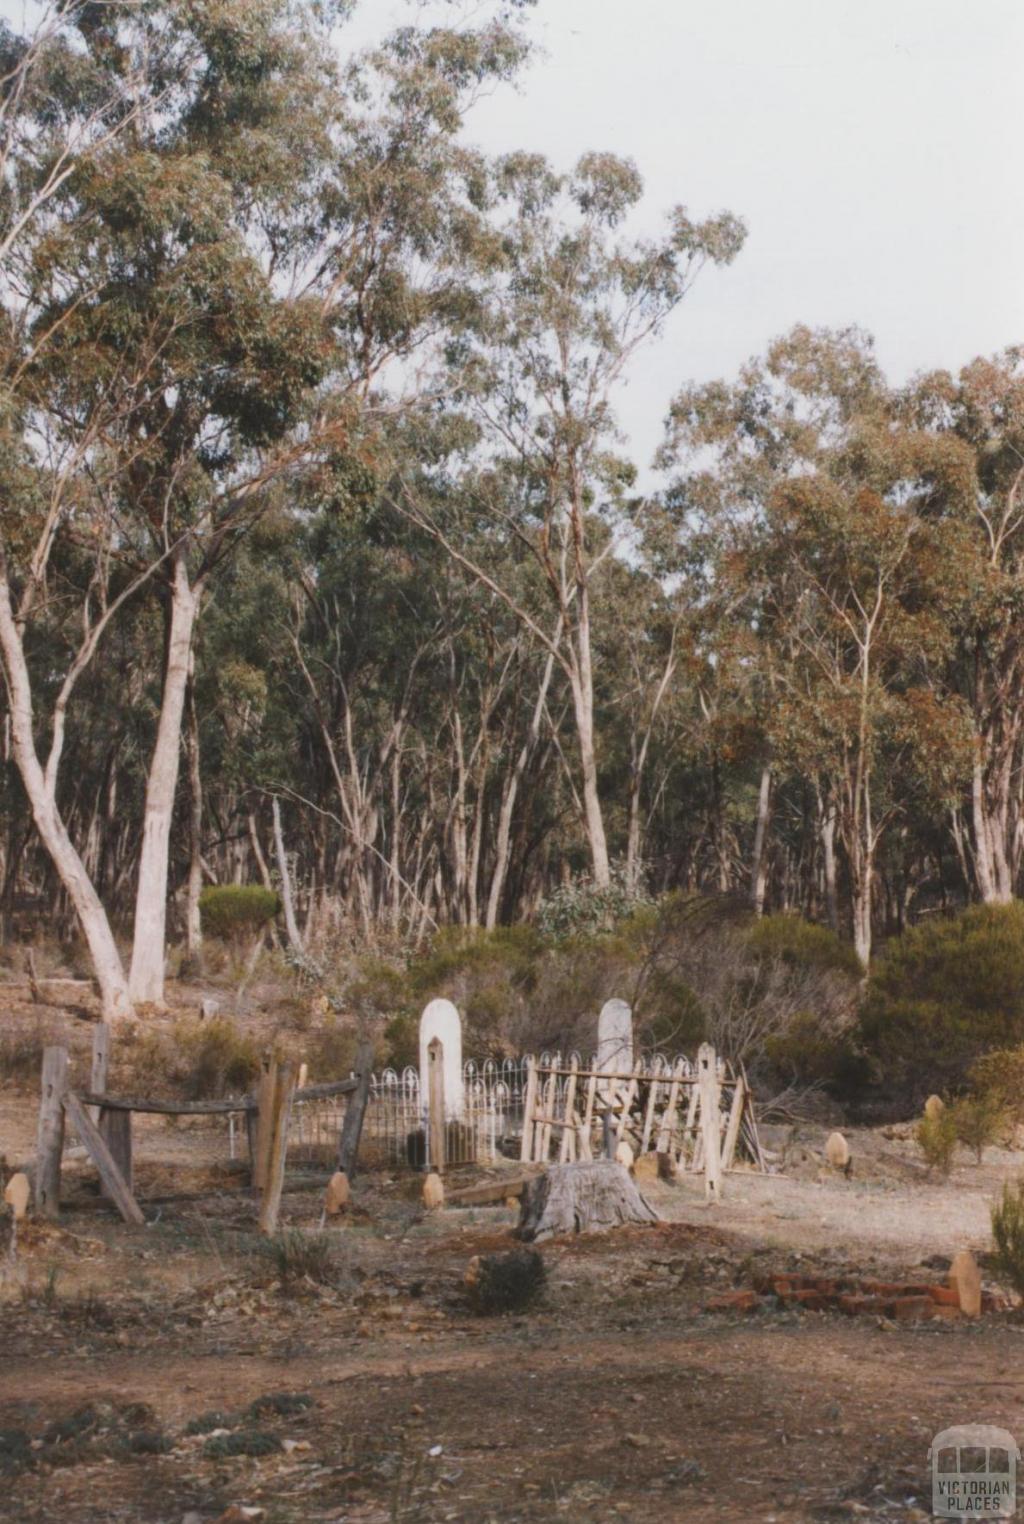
(581, 1198)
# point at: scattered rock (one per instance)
(239, 1513)
(17, 1194)
(433, 1192)
(338, 1194)
(837, 1151)
(966, 1277)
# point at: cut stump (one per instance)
(589, 1197)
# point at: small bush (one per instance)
(245, 1442)
(937, 1138)
(21, 1049)
(297, 1256)
(237, 911)
(506, 1283)
(979, 1120)
(205, 1423)
(1008, 1232)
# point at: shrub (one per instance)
(237, 911)
(979, 1121)
(1000, 1074)
(1008, 1232)
(937, 1138)
(21, 1049)
(297, 1256)
(505, 1283)
(941, 996)
(579, 907)
(198, 1060)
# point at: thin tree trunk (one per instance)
(758, 869)
(194, 886)
(291, 925)
(146, 980)
(583, 709)
(508, 802)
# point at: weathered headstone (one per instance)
(934, 1106)
(965, 1276)
(837, 1151)
(615, 1037)
(433, 1192)
(17, 1193)
(337, 1195)
(440, 1019)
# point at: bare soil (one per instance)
(617, 1397)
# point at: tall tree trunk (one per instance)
(194, 886)
(758, 867)
(991, 861)
(583, 709)
(511, 790)
(106, 960)
(291, 925)
(146, 980)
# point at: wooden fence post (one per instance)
(265, 1091)
(115, 1127)
(529, 1107)
(710, 1121)
(435, 1105)
(50, 1132)
(117, 1187)
(355, 1110)
(277, 1149)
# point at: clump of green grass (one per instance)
(1008, 1232)
(937, 1139)
(284, 1404)
(299, 1257)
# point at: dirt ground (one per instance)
(150, 1374)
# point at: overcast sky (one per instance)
(872, 146)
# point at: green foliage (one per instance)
(979, 1121)
(197, 1060)
(1000, 1076)
(580, 908)
(243, 1442)
(1008, 1233)
(937, 1139)
(506, 1283)
(942, 995)
(803, 944)
(235, 911)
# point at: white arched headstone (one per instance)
(615, 1037)
(441, 1019)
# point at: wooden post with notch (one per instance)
(115, 1126)
(435, 1105)
(710, 1121)
(280, 1111)
(732, 1131)
(100, 1062)
(355, 1110)
(50, 1131)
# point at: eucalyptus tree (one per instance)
(198, 310)
(566, 300)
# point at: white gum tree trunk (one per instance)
(146, 980)
(40, 787)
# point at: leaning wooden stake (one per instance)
(50, 1133)
(280, 1116)
(116, 1185)
(710, 1121)
(435, 1105)
(355, 1110)
(732, 1132)
(265, 1091)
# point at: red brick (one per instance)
(908, 1309)
(733, 1301)
(946, 1296)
